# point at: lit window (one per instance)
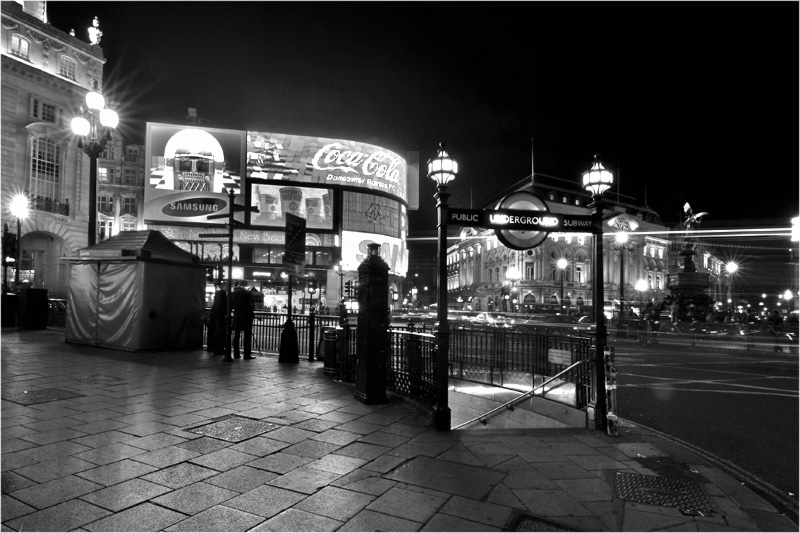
(45, 169)
(579, 273)
(102, 174)
(20, 47)
(128, 224)
(104, 229)
(67, 67)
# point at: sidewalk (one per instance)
(103, 440)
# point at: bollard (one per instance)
(331, 337)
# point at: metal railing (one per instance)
(511, 403)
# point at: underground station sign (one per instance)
(521, 220)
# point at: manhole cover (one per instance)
(30, 397)
(532, 523)
(234, 429)
(98, 378)
(687, 496)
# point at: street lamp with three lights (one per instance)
(94, 126)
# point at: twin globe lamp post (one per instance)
(442, 169)
(94, 126)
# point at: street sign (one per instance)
(518, 219)
(294, 257)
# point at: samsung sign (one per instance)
(192, 207)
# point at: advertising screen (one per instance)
(274, 203)
(189, 173)
(279, 157)
(355, 250)
(369, 213)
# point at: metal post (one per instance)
(441, 409)
(622, 282)
(91, 151)
(229, 313)
(562, 291)
(18, 258)
(598, 296)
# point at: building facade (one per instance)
(483, 275)
(46, 75)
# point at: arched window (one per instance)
(45, 169)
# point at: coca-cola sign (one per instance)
(379, 164)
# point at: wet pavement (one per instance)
(104, 440)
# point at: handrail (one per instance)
(509, 404)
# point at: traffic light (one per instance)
(348, 288)
(312, 286)
(210, 274)
(9, 249)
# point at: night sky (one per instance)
(687, 101)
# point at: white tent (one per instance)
(136, 291)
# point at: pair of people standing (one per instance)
(243, 312)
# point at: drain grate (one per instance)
(687, 496)
(30, 397)
(234, 429)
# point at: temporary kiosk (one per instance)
(136, 291)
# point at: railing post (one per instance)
(311, 328)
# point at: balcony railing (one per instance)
(50, 206)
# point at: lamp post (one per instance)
(95, 132)
(731, 267)
(597, 180)
(622, 239)
(442, 169)
(19, 208)
(562, 265)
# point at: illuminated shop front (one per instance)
(351, 194)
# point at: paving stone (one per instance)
(363, 450)
(54, 469)
(260, 446)
(56, 435)
(265, 501)
(383, 438)
(180, 475)
(368, 520)
(337, 503)
(454, 478)
(587, 490)
(384, 463)
(104, 438)
(125, 494)
(143, 517)
(242, 478)
(218, 518)
(364, 481)
(297, 520)
(67, 516)
(337, 436)
(305, 479)
(445, 522)
(551, 503)
(528, 479)
(223, 459)
(114, 473)
(56, 491)
(478, 511)
(563, 470)
(12, 481)
(338, 464)
(204, 445)
(52, 451)
(110, 454)
(164, 457)
(195, 498)
(155, 441)
(317, 425)
(291, 435)
(280, 462)
(12, 508)
(311, 449)
(410, 505)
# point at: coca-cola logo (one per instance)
(193, 207)
(379, 163)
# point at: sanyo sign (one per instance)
(392, 250)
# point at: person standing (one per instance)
(243, 313)
(219, 310)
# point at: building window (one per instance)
(45, 169)
(579, 277)
(20, 47)
(46, 111)
(128, 206)
(104, 229)
(109, 152)
(128, 224)
(130, 176)
(530, 270)
(105, 204)
(67, 67)
(102, 174)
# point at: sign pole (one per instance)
(229, 311)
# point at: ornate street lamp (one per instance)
(562, 265)
(442, 169)
(731, 267)
(94, 126)
(19, 208)
(597, 180)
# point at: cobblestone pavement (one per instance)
(104, 440)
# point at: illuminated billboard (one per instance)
(314, 161)
(355, 250)
(189, 172)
